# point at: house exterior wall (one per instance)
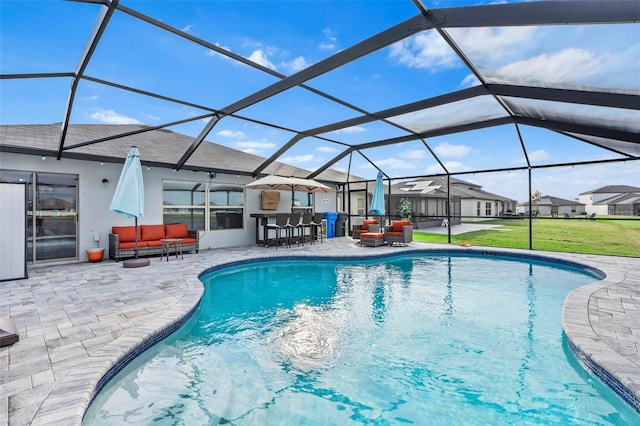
(469, 210)
(94, 198)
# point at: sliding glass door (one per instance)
(52, 219)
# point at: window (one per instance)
(360, 206)
(478, 207)
(302, 202)
(487, 208)
(226, 207)
(203, 206)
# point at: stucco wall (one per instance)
(94, 198)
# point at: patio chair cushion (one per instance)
(177, 230)
(397, 225)
(366, 223)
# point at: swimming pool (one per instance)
(416, 339)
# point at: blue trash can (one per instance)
(331, 222)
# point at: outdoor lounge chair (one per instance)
(400, 231)
(358, 230)
(592, 216)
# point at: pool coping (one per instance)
(72, 394)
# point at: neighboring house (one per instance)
(428, 197)
(612, 200)
(69, 199)
(551, 206)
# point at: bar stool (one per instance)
(307, 223)
(282, 224)
(316, 225)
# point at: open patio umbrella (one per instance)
(282, 183)
(377, 200)
(128, 199)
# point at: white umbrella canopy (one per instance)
(282, 183)
(128, 199)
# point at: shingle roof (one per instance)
(612, 189)
(550, 200)
(159, 148)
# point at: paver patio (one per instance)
(77, 320)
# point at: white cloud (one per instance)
(415, 154)
(534, 156)
(260, 145)
(231, 134)
(560, 67)
(392, 163)
(109, 116)
(434, 169)
(90, 98)
(260, 57)
(327, 149)
(448, 150)
(493, 42)
(187, 28)
(330, 40)
(326, 46)
(456, 166)
(349, 130)
(297, 159)
(425, 50)
(295, 65)
(469, 81)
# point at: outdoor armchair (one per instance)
(400, 231)
(358, 230)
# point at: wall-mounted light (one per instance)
(102, 163)
(148, 168)
(211, 174)
(105, 181)
(43, 158)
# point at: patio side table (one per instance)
(166, 247)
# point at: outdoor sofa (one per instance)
(122, 239)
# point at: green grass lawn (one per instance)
(601, 236)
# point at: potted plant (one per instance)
(95, 254)
(405, 208)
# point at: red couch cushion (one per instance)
(397, 225)
(152, 232)
(367, 222)
(177, 230)
(126, 234)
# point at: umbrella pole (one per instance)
(135, 256)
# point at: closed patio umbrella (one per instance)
(377, 201)
(128, 199)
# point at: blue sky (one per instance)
(287, 36)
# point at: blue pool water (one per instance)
(419, 339)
